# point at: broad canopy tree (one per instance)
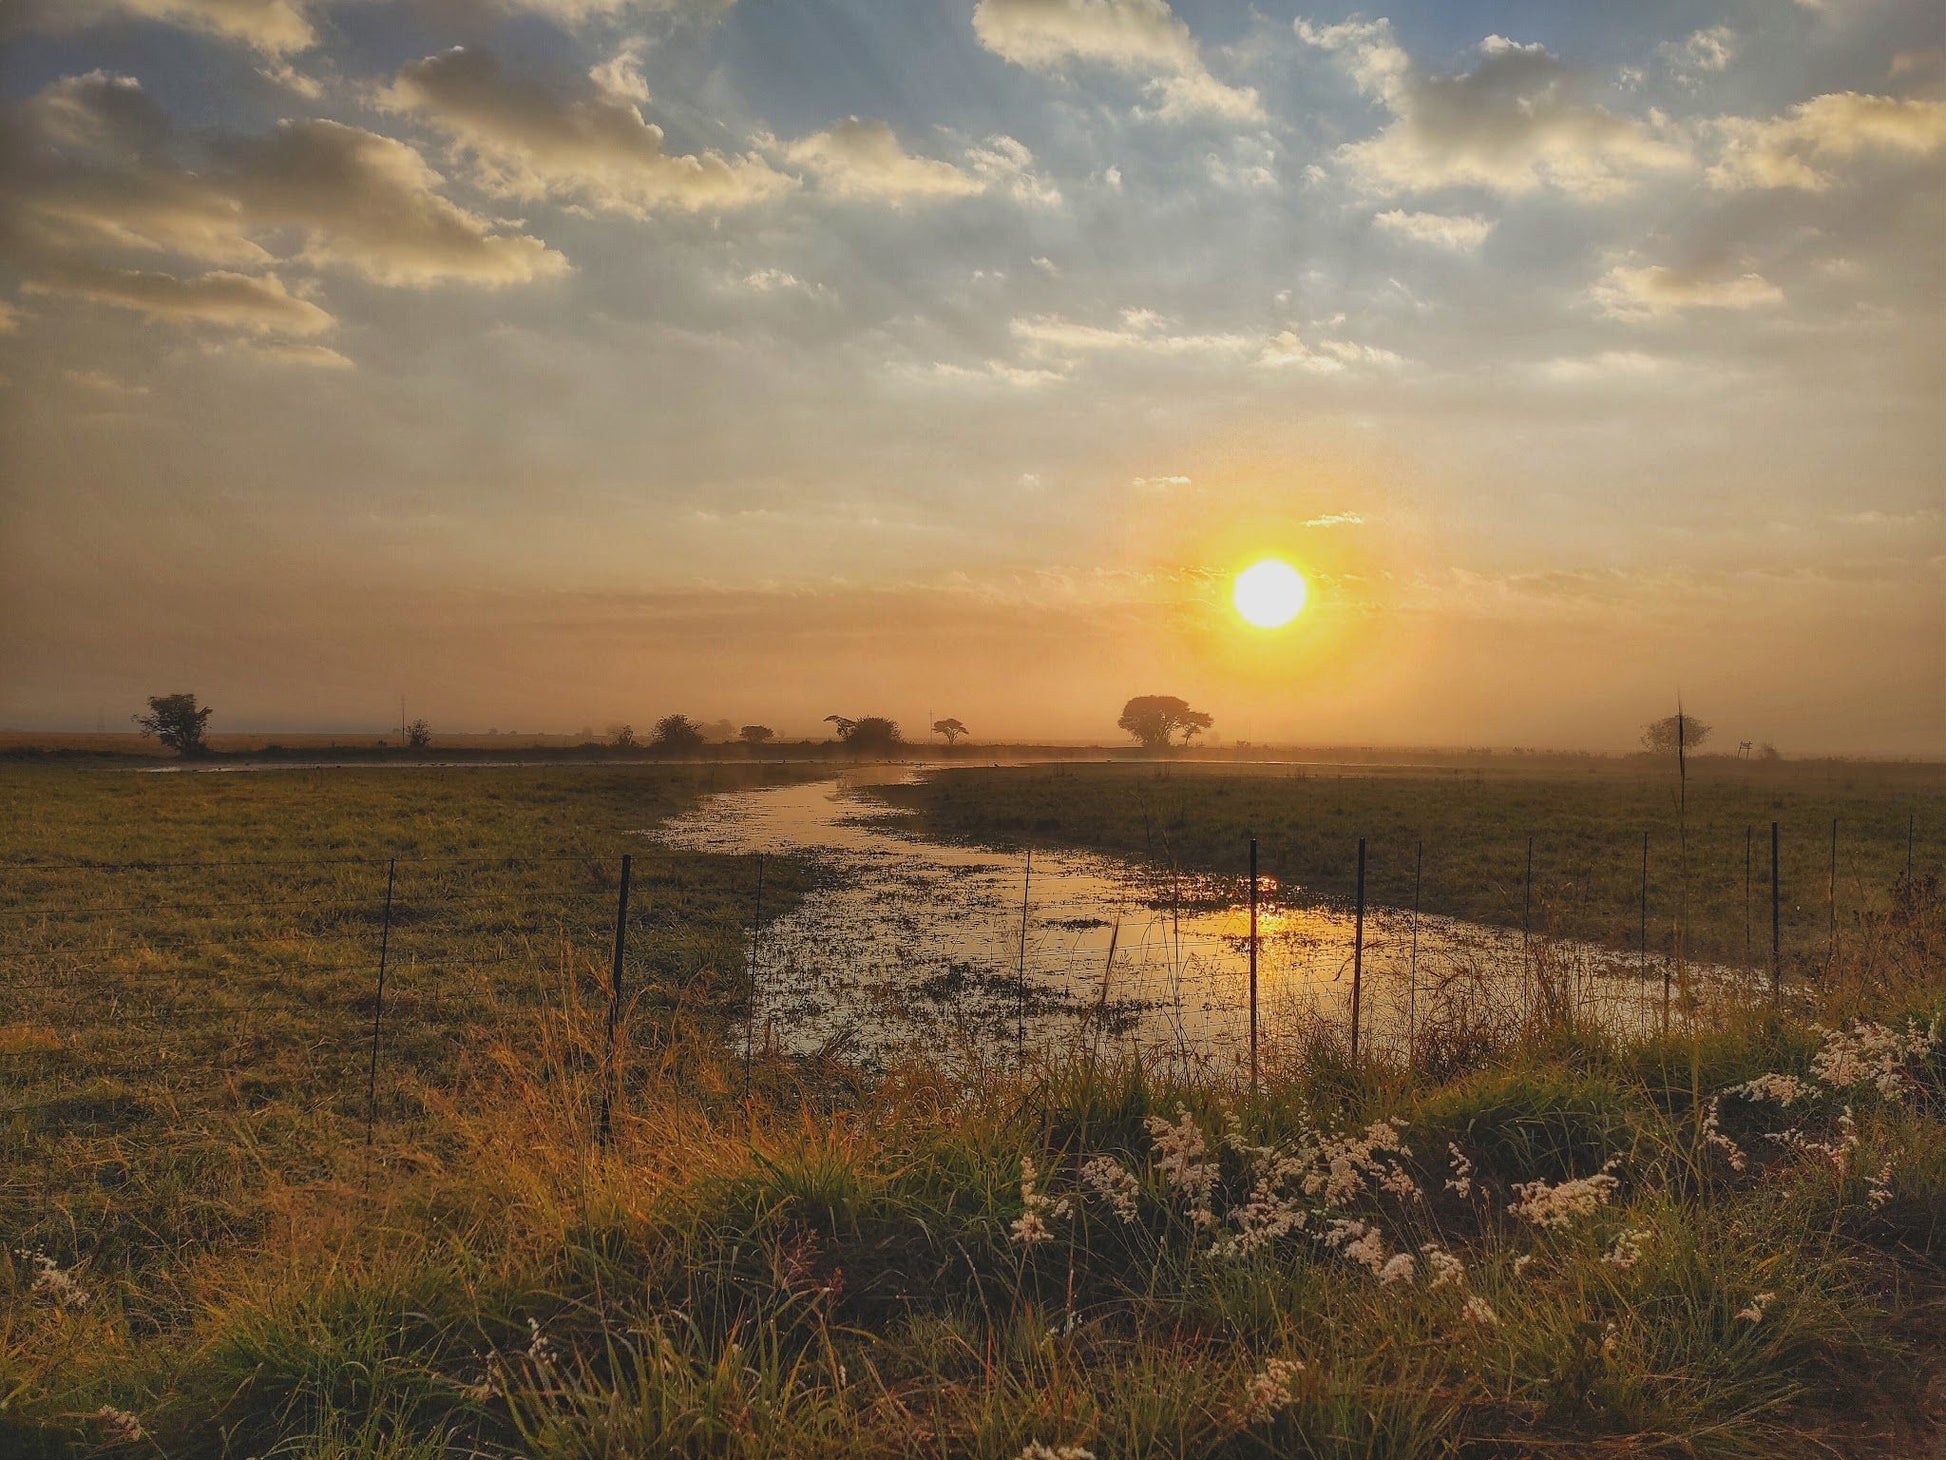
(951, 729)
(177, 721)
(1152, 719)
(1673, 732)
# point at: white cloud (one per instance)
(1795, 150)
(591, 144)
(9, 319)
(1654, 291)
(1336, 519)
(998, 372)
(863, 159)
(1606, 366)
(1327, 357)
(1159, 484)
(1461, 233)
(255, 303)
(1137, 37)
(1703, 52)
(272, 26)
(101, 382)
(1006, 165)
(1517, 122)
(1141, 331)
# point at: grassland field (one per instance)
(1606, 1251)
(1587, 822)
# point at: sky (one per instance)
(559, 363)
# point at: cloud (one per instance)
(1704, 51)
(1141, 331)
(1516, 123)
(1336, 519)
(9, 319)
(590, 144)
(1326, 357)
(88, 168)
(863, 159)
(1462, 233)
(998, 372)
(1137, 37)
(1005, 165)
(1607, 367)
(1159, 484)
(1796, 149)
(275, 27)
(1655, 291)
(309, 357)
(368, 203)
(255, 303)
(103, 383)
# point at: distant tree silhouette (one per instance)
(874, 734)
(418, 735)
(177, 721)
(844, 727)
(755, 734)
(1662, 737)
(1152, 719)
(951, 729)
(622, 737)
(717, 731)
(677, 733)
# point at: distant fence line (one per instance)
(389, 949)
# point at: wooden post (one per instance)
(1020, 975)
(1776, 921)
(1831, 899)
(1358, 951)
(1527, 935)
(378, 1004)
(606, 1129)
(750, 1009)
(1412, 972)
(1749, 841)
(1253, 964)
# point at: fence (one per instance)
(358, 981)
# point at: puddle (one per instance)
(909, 944)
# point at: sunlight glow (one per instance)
(1269, 593)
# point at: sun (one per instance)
(1269, 593)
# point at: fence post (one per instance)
(1358, 951)
(1253, 964)
(1831, 899)
(378, 1004)
(1643, 935)
(1776, 922)
(750, 1005)
(1020, 973)
(1412, 973)
(606, 1129)
(1527, 934)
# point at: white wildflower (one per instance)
(1037, 1451)
(1031, 1227)
(118, 1426)
(539, 1350)
(1627, 1249)
(1397, 1271)
(1478, 1310)
(1755, 1312)
(1446, 1269)
(1182, 1156)
(1461, 1181)
(1343, 1165)
(1521, 1264)
(1780, 1089)
(53, 1282)
(1713, 1134)
(1611, 1340)
(1556, 1205)
(1114, 1184)
(1870, 1053)
(1269, 1392)
(1881, 1190)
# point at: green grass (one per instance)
(1587, 827)
(832, 1270)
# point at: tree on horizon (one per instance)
(951, 729)
(1152, 719)
(177, 721)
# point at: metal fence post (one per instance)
(1253, 964)
(1020, 973)
(1412, 972)
(1358, 952)
(1749, 840)
(378, 1004)
(750, 1001)
(1776, 921)
(606, 1129)
(1831, 899)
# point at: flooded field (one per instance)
(910, 943)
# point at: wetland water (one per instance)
(912, 944)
